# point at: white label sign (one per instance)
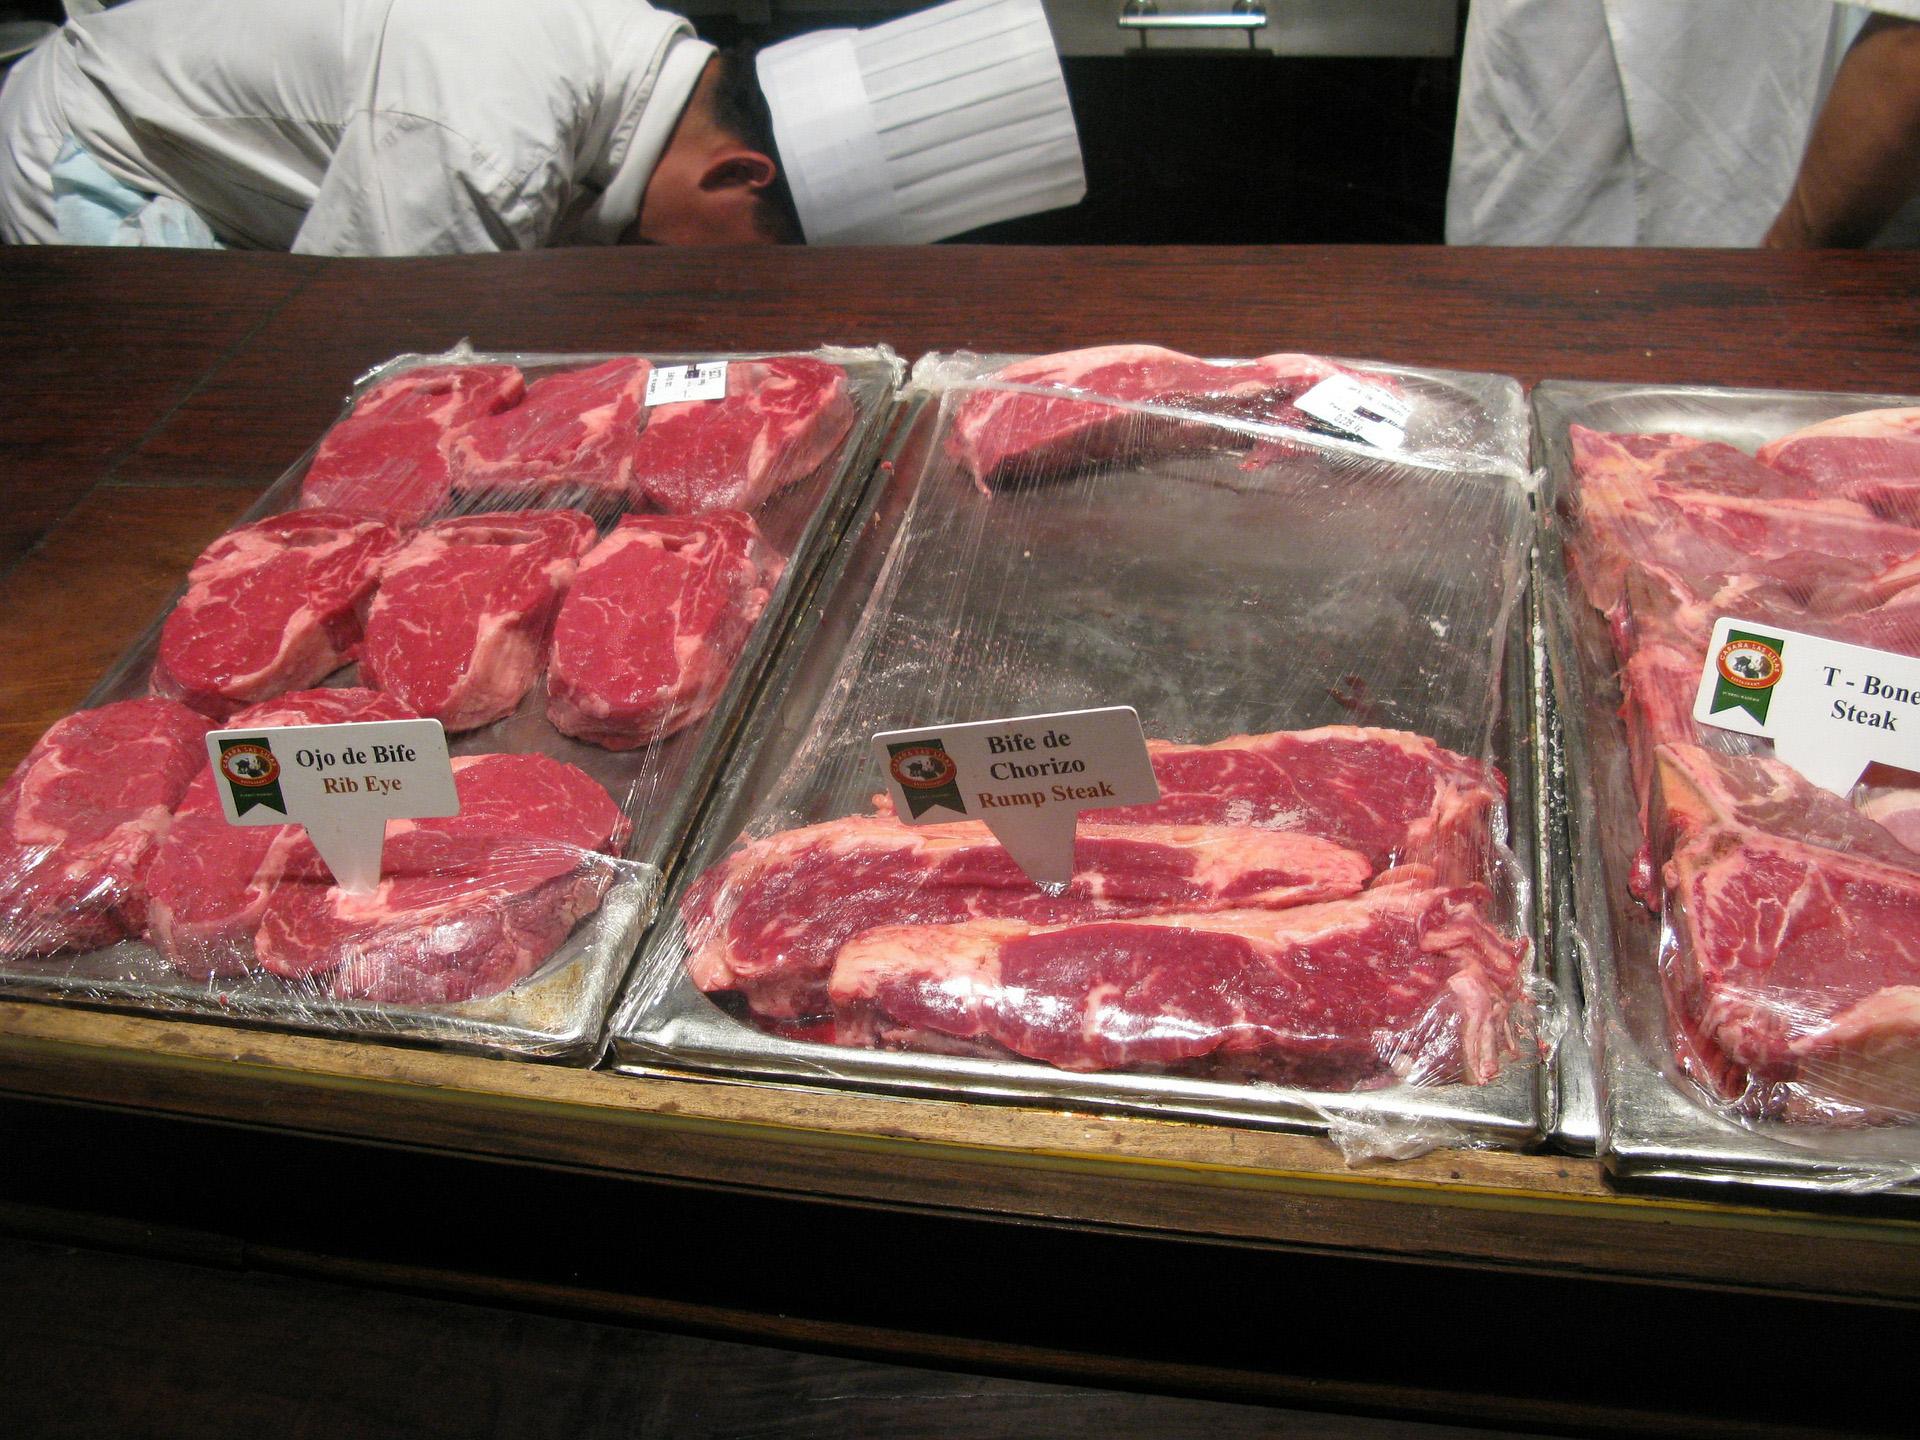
(1377, 416)
(1831, 709)
(677, 384)
(1027, 778)
(341, 782)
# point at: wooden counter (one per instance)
(150, 397)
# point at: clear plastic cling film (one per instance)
(1321, 914)
(1748, 936)
(578, 584)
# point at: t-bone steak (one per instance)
(780, 420)
(210, 879)
(1404, 982)
(1872, 457)
(271, 607)
(768, 920)
(387, 460)
(466, 905)
(1793, 966)
(653, 623)
(1067, 411)
(79, 819)
(462, 614)
(570, 440)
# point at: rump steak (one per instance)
(768, 920)
(655, 618)
(79, 819)
(466, 905)
(1396, 797)
(210, 879)
(463, 610)
(270, 607)
(781, 418)
(570, 440)
(1075, 413)
(387, 460)
(1404, 982)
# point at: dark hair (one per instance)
(741, 110)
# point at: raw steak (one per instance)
(1872, 457)
(463, 611)
(1396, 797)
(572, 438)
(210, 880)
(387, 460)
(79, 819)
(466, 905)
(1673, 509)
(270, 607)
(780, 420)
(1792, 961)
(1403, 982)
(1007, 434)
(656, 617)
(768, 920)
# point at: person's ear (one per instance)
(737, 169)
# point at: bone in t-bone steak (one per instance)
(654, 620)
(270, 607)
(768, 920)
(1872, 457)
(572, 438)
(462, 613)
(780, 419)
(1396, 797)
(1403, 982)
(1001, 435)
(1793, 969)
(466, 905)
(209, 881)
(387, 460)
(79, 819)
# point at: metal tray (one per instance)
(558, 1012)
(1651, 1125)
(1152, 586)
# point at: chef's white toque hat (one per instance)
(925, 126)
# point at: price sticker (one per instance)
(1027, 778)
(342, 783)
(1831, 709)
(677, 384)
(1366, 412)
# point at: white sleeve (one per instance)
(405, 184)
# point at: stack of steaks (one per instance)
(1307, 907)
(1791, 951)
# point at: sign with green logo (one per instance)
(1748, 666)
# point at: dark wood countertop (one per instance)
(150, 397)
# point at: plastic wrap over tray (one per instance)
(1322, 922)
(1747, 939)
(581, 587)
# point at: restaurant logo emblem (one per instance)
(1749, 667)
(252, 775)
(926, 775)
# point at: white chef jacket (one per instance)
(359, 127)
(1639, 122)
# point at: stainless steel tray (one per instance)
(558, 1012)
(1159, 586)
(1650, 1124)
